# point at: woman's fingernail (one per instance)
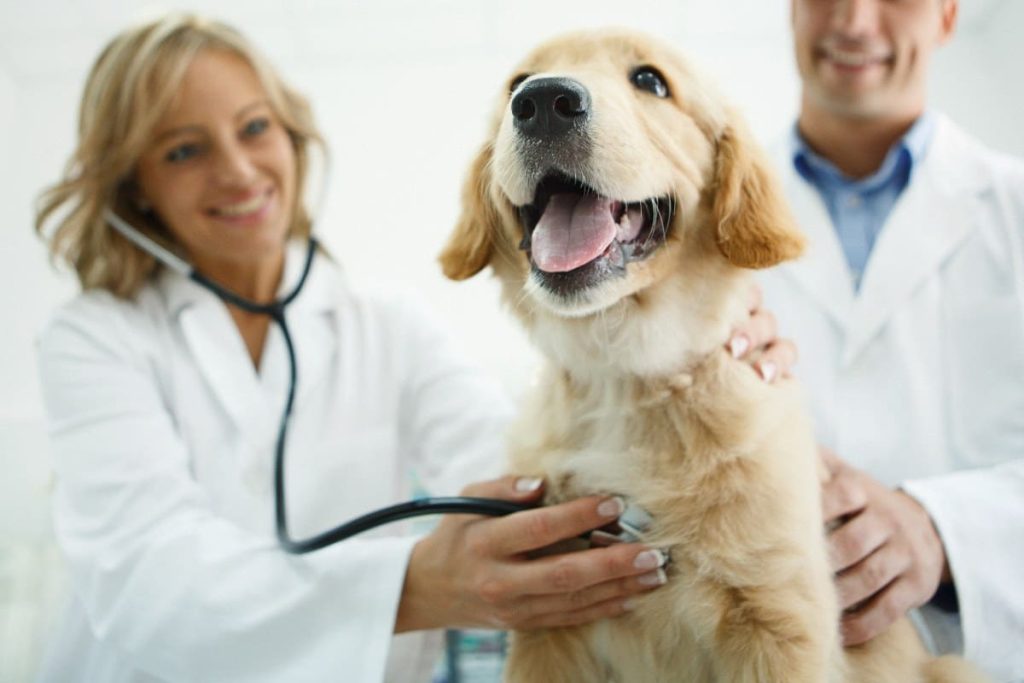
(738, 346)
(613, 507)
(629, 604)
(767, 370)
(655, 578)
(650, 559)
(528, 484)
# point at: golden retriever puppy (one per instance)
(621, 206)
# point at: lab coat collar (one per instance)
(926, 225)
(928, 222)
(822, 271)
(318, 294)
(218, 348)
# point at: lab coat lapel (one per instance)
(224, 364)
(220, 353)
(822, 271)
(304, 317)
(926, 225)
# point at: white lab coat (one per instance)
(919, 378)
(163, 437)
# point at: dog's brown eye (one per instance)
(650, 79)
(516, 82)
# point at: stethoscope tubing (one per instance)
(276, 311)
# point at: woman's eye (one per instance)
(650, 79)
(256, 126)
(182, 153)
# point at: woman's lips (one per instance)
(246, 212)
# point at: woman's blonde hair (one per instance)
(130, 87)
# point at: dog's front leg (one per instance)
(552, 656)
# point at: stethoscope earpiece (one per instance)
(151, 247)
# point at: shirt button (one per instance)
(853, 201)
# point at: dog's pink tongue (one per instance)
(574, 230)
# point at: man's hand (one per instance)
(885, 551)
(755, 342)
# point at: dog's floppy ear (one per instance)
(471, 244)
(754, 226)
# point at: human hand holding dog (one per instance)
(475, 571)
(886, 553)
(755, 340)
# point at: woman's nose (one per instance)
(234, 165)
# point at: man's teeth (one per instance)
(241, 208)
(852, 58)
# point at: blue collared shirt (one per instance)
(859, 207)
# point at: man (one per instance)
(908, 310)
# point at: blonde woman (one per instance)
(164, 402)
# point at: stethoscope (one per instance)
(276, 311)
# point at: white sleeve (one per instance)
(183, 593)
(980, 516)
(979, 513)
(454, 415)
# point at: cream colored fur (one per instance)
(640, 399)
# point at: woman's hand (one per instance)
(885, 551)
(755, 342)
(476, 571)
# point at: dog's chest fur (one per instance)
(711, 454)
(645, 438)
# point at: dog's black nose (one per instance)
(546, 107)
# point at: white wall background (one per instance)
(402, 89)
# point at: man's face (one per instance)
(868, 58)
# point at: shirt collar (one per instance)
(919, 137)
(318, 294)
(913, 147)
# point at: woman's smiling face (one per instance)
(220, 170)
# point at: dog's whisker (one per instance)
(656, 211)
(664, 223)
(530, 288)
(655, 216)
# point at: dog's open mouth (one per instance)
(575, 237)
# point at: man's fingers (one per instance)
(871, 575)
(842, 495)
(756, 332)
(877, 614)
(762, 329)
(855, 540)
(534, 529)
(831, 460)
(777, 360)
